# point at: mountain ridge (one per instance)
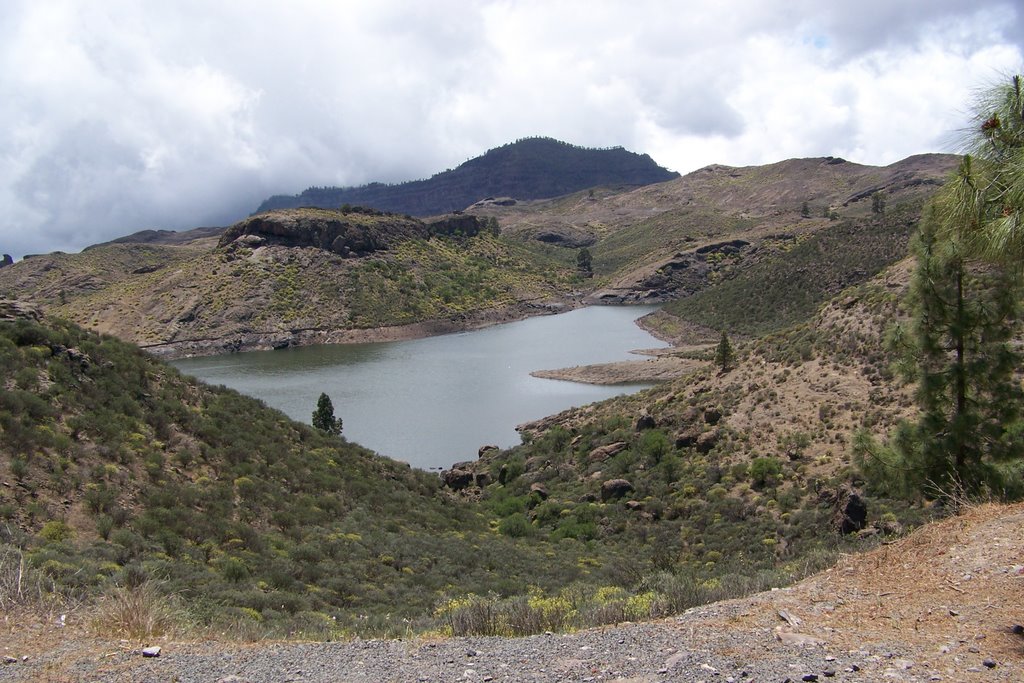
(530, 168)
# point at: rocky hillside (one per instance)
(721, 474)
(531, 168)
(670, 240)
(728, 243)
(297, 276)
(117, 470)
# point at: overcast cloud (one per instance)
(119, 116)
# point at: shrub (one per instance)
(515, 526)
(56, 531)
(764, 471)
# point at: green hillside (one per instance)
(121, 472)
(118, 470)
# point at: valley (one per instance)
(124, 477)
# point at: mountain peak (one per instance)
(529, 168)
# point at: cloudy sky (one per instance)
(118, 116)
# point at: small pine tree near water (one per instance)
(323, 416)
(724, 354)
(585, 263)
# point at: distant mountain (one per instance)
(164, 236)
(532, 168)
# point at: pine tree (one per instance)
(585, 263)
(964, 321)
(959, 349)
(878, 202)
(724, 355)
(996, 145)
(323, 416)
(965, 308)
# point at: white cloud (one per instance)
(126, 115)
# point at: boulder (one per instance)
(645, 421)
(6, 261)
(712, 415)
(540, 489)
(481, 479)
(615, 488)
(457, 479)
(707, 441)
(851, 512)
(690, 415)
(634, 505)
(602, 453)
(852, 515)
(484, 450)
(687, 438)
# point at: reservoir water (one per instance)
(433, 402)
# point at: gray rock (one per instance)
(151, 651)
(18, 310)
(602, 453)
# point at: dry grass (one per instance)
(20, 586)
(139, 613)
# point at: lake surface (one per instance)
(433, 402)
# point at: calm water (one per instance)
(433, 402)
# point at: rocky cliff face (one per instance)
(345, 234)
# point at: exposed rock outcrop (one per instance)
(345, 234)
(851, 512)
(568, 237)
(18, 310)
(602, 453)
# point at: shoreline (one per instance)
(662, 368)
(662, 365)
(267, 341)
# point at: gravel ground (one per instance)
(709, 644)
